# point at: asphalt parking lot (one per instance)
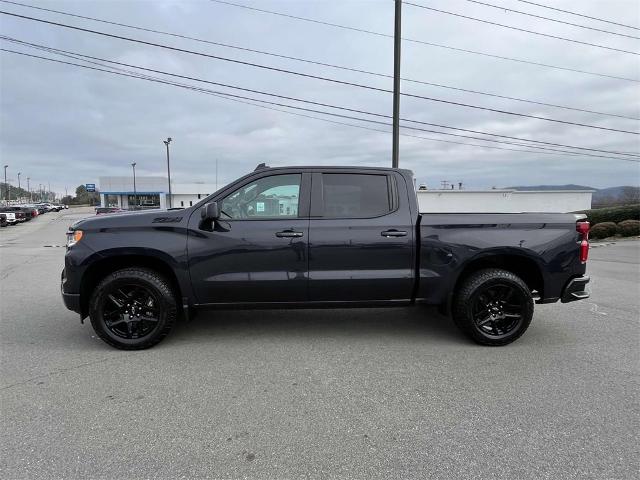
(374, 393)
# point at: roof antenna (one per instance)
(262, 166)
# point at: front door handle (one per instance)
(289, 234)
(393, 233)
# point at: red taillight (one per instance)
(584, 250)
(582, 228)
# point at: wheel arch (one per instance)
(524, 266)
(106, 265)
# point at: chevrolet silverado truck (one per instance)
(311, 237)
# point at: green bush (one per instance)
(613, 214)
(603, 230)
(629, 228)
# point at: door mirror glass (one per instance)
(210, 211)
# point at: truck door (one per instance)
(361, 239)
(257, 251)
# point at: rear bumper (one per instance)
(575, 289)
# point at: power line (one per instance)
(579, 14)
(76, 54)
(533, 32)
(336, 107)
(298, 59)
(228, 96)
(520, 12)
(224, 95)
(422, 42)
(317, 77)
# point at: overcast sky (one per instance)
(68, 126)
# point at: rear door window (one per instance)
(355, 195)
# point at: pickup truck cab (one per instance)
(320, 237)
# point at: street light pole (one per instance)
(167, 142)
(135, 193)
(397, 45)
(6, 185)
(29, 190)
(19, 173)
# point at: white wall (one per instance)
(125, 184)
(185, 198)
(502, 201)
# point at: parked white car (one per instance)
(11, 218)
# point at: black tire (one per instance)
(133, 309)
(493, 307)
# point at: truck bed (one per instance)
(543, 246)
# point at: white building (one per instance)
(503, 201)
(188, 194)
(150, 192)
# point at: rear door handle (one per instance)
(289, 234)
(393, 233)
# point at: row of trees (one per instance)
(11, 192)
(626, 196)
(82, 197)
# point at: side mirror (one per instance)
(210, 211)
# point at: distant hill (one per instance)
(608, 196)
(570, 186)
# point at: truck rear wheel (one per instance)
(493, 307)
(133, 309)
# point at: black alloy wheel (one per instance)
(133, 308)
(498, 309)
(493, 306)
(130, 311)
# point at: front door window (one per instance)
(276, 196)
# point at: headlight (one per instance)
(73, 237)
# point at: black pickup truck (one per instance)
(320, 237)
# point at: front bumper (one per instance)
(575, 289)
(71, 300)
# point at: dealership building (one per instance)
(150, 192)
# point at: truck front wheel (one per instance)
(133, 308)
(493, 307)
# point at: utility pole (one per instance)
(167, 142)
(397, 45)
(29, 190)
(135, 193)
(19, 173)
(49, 192)
(6, 185)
